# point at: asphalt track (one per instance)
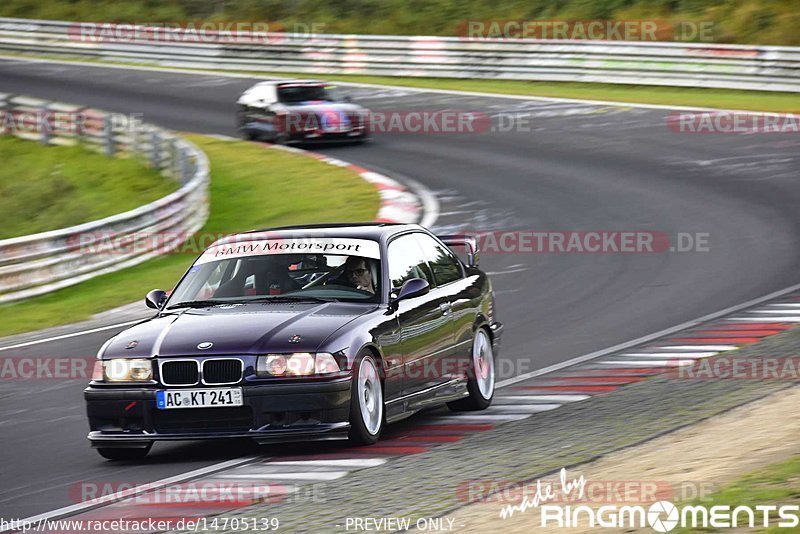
(576, 166)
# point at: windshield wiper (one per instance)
(200, 303)
(291, 298)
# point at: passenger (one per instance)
(357, 271)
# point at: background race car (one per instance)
(300, 111)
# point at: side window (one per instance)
(446, 268)
(406, 261)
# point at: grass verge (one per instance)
(639, 94)
(46, 188)
(251, 187)
(777, 484)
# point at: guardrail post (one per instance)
(183, 166)
(108, 136)
(135, 141)
(174, 168)
(80, 124)
(155, 156)
(8, 116)
(44, 124)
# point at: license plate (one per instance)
(198, 398)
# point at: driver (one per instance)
(358, 272)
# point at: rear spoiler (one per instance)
(463, 240)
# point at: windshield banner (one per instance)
(334, 246)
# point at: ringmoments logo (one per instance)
(661, 516)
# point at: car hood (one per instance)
(235, 329)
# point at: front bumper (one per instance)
(273, 413)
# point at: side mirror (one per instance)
(416, 287)
(156, 299)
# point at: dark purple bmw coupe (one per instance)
(300, 333)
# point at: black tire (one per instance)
(247, 135)
(479, 398)
(121, 453)
(360, 434)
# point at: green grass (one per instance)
(251, 187)
(640, 94)
(777, 484)
(50, 187)
(738, 21)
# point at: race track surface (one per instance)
(577, 167)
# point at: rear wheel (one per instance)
(480, 383)
(120, 453)
(366, 401)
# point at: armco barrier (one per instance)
(37, 264)
(767, 68)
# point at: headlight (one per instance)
(127, 370)
(297, 364)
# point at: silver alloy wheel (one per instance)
(483, 363)
(370, 395)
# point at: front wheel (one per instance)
(118, 453)
(366, 402)
(480, 383)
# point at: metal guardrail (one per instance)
(36, 264)
(767, 68)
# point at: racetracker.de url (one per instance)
(132, 526)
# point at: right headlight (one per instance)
(296, 364)
(127, 370)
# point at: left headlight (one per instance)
(127, 370)
(296, 364)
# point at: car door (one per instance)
(461, 297)
(425, 326)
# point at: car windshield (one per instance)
(305, 93)
(315, 270)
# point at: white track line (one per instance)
(715, 348)
(293, 475)
(348, 462)
(503, 403)
(142, 488)
(678, 355)
(508, 409)
(786, 319)
(544, 398)
(458, 419)
(648, 363)
(67, 336)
